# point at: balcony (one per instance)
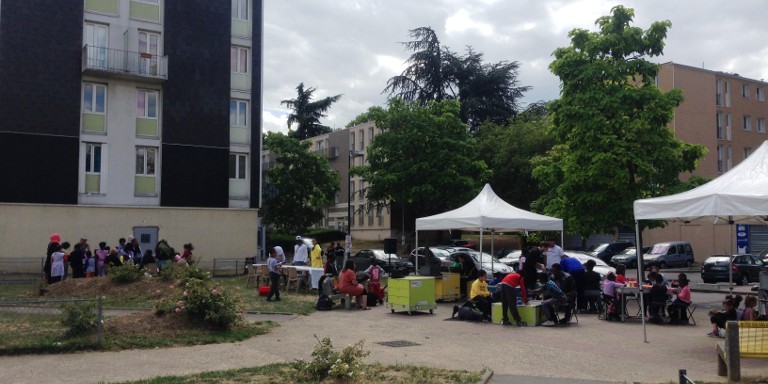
(98, 61)
(329, 153)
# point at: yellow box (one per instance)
(530, 313)
(447, 288)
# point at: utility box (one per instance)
(411, 293)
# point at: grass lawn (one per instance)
(284, 374)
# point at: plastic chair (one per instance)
(293, 279)
(252, 279)
(262, 275)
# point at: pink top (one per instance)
(684, 294)
(621, 279)
(609, 287)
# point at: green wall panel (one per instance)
(144, 11)
(241, 28)
(241, 81)
(94, 123)
(92, 183)
(146, 127)
(145, 185)
(109, 7)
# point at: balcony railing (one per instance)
(124, 64)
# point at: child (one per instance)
(274, 276)
(749, 313)
(374, 284)
(718, 318)
(609, 294)
(101, 259)
(90, 266)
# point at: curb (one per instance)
(486, 377)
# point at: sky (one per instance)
(352, 47)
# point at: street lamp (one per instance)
(352, 154)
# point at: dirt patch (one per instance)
(164, 326)
(94, 286)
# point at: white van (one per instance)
(669, 254)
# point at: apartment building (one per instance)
(727, 114)
(345, 148)
(131, 117)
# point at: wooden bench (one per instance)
(748, 339)
(345, 298)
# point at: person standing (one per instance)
(316, 255)
(274, 276)
(57, 263)
(300, 252)
(533, 261)
(509, 298)
(77, 261)
(553, 254)
(339, 251)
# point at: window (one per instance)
(745, 91)
(239, 59)
(360, 215)
(238, 166)
(149, 49)
(352, 190)
(146, 159)
(747, 152)
(361, 192)
(240, 9)
(719, 93)
(761, 125)
(728, 125)
(370, 134)
(729, 158)
(92, 158)
(379, 216)
(719, 125)
(370, 217)
(746, 122)
(146, 104)
(95, 37)
(720, 158)
(352, 141)
(94, 98)
(759, 94)
(238, 113)
(362, 139)
(728, 94)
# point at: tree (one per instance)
(304, 181)
(508, 150)
(424, 158)
(306, 114)
(610, 126)
(486, 91)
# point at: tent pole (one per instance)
(492, 233)
(638, 251)
(416, 252)
(730, 258)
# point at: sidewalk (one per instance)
(593, 350)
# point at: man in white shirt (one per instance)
(554, 254)
(300, 252)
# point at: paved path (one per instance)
(593, 350)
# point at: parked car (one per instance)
(746, 269)
(628, 257)
(764, 256)
(669, 254)
(491, 265)
(605, 251)
(512, 259)
(390, 263)
(439, 253)
(601, 267)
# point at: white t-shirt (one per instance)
(300, 253)
(280, 254)
(553, 255)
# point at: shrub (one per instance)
(79, 317)
(126, 273)
(207, 302)
(326, 362)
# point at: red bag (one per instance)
(263, 290)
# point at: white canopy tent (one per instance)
(487, 211)
(737, 196)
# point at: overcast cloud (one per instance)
(351, 47)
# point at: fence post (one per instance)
(732, 351)
(100, 320)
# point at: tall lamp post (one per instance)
(348, 249)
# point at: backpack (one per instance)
(163, 250)
(324, 303)
(469, 313)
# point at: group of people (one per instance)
(347, 279)
(732, 310)
(85, 262)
